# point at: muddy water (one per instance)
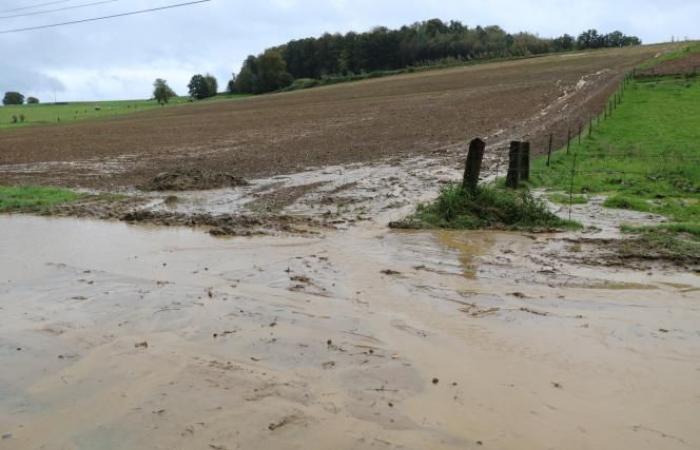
(118, 337)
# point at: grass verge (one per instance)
(489, 208)
(680, 53)
(646, 157)
(33, 198)
(661, 244)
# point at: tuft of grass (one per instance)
(488, 208)
(33, 198)
(661, 244)
(627, 202)
(565, 199)
(690, 229)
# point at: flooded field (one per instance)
(125, 337)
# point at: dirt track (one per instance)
(282, 133)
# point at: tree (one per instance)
(212, 85)
(198, 87)
(32, 101)
(247, 80)
(563, 43)
(264, 73)
(590, 39)
(162, 92)
(13, 98)
(231, 86)
(614, 39)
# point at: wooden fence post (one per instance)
(524, 161)
(513, 177)
(568, 140)
(590, 127)
(580, 132)
(473, 167)
(549, 149)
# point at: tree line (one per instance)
(383, 49)
(15, 98)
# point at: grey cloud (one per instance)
(119, 58)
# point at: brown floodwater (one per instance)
(132, 337)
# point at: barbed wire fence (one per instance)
(518, 163)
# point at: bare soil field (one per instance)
(283, 133)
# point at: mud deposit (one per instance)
(193, 180)
(126, 337)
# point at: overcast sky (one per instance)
(120, 58)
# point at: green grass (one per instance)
(646, 157)
(49, 113)
(565, 199)
(661, 244)
(691, 229)
(33, 198)
(625, 202)
(682, 52)
(490, 207)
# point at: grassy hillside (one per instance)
(646, 157)
(71, 112)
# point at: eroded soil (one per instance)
(408, 115)
(327, 329)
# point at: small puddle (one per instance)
(469, 245)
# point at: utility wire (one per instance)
(94, 19)
(34, 6)
(65, 8)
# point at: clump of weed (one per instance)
(626, 202)
(33, 198)
(690, 229)
(660, 244)
(488, 208)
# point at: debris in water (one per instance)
(532, 311)
(280, 424)
(390, 272)
(436, 380)
(143, 344)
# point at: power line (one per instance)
(34, 6)
(94, 19)
(65, 8)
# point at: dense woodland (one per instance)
(381, 49)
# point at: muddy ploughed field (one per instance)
(276, 134)
(326, 329)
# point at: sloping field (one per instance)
(281, 133)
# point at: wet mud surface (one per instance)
(193, 180)
(323, 326)
(357, 338)
(328, 327)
